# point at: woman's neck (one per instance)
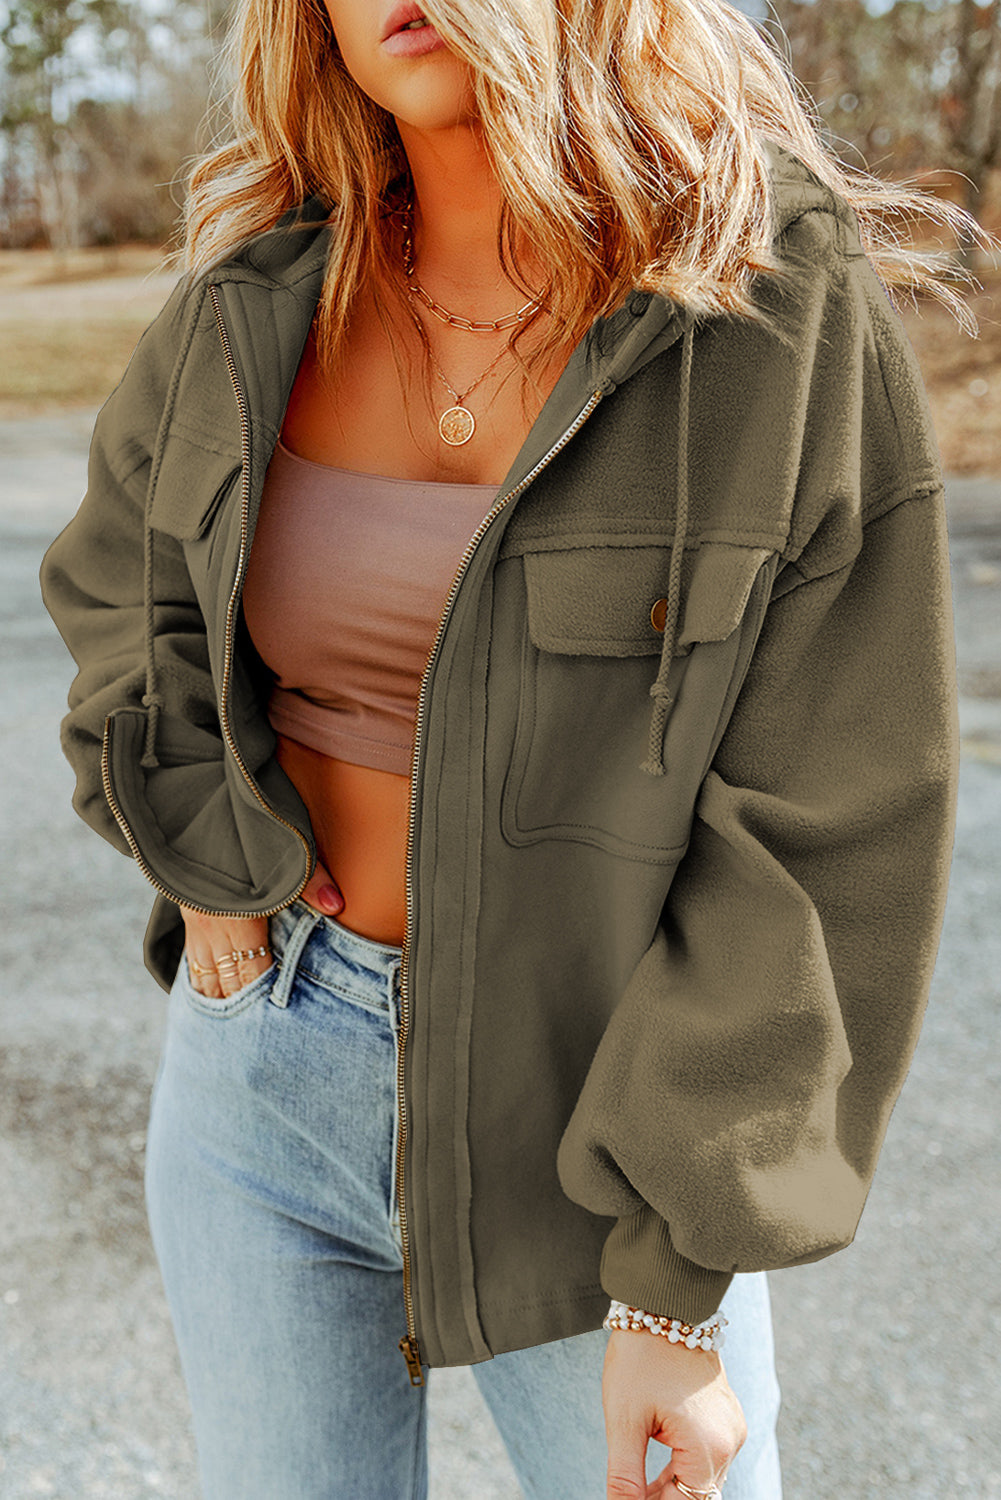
(458, 207)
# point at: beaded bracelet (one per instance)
(707, 1335)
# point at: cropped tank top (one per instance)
(345, 585)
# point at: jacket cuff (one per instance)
(641, 1267)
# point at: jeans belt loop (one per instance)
(394, 997)
(282, 987)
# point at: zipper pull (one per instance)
(411, 1353)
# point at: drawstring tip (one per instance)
(153, 703)
(654, 763)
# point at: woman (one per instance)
(511, 610)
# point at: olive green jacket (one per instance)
(683, 782)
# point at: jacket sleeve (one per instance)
(92, 574)
(737, 1101)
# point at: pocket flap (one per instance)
(190, 484)
(595, 601)
(609, 600)
(716, 584)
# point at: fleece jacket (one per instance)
(683, 781)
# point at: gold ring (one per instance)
(244, 955)
(712, 1493)
(197, 968)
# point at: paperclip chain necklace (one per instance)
(457, 424)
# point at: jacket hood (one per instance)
(292, 256)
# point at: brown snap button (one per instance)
(658, 614)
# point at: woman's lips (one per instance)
(413, 43)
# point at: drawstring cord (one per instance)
(659, 690)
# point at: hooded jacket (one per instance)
(683, 781)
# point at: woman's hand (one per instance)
(652, 1388)
(211, 941)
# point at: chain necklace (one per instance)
(457, 424)
(416, 290)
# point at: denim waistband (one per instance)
(298, 933)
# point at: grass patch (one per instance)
(58, 267)
(66, 363)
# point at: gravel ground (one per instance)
(876, 1398)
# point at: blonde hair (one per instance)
(626, 136)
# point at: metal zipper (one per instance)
(408, 1345)
(224, 720)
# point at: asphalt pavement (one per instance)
(887, 1351)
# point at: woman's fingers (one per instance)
(202, 968)
(225, 953)
(224, 969)
(625, 1477)
(323, 893)
(238, 967)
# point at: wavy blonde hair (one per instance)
(626, 136)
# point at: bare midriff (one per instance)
(360, 817)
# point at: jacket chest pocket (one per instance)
(192, 482)
(590, 651)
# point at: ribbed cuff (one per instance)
(640, 1266)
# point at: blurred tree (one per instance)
(40, 44)
(917, 85)
(100, 105)
(970, 103)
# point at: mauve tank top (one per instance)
(345, 585)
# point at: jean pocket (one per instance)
(225, 1006)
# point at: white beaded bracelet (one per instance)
(707, 1335)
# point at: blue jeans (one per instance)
(272, 1203)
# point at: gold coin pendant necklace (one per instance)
(456, 424)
